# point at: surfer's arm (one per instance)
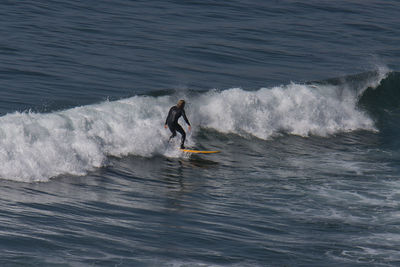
(167, 119)
(185, 118)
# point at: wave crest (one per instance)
(294, 109)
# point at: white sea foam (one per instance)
(36, 147)
(295, 109)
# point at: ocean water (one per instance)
(301, 97)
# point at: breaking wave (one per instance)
(38, 146)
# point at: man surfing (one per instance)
(172, 121)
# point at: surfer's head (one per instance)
(181, 103)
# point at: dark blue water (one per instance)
(301, 97)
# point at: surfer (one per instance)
(172, 121)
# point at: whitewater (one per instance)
(39, 146)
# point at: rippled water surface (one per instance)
(301, 98)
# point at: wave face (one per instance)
(383, 98)
(37, 146)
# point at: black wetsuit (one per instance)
(172, 121)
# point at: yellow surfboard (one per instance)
(200, 151)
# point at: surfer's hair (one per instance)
(181, 103)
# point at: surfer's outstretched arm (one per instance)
(186, 119)
(168, 117)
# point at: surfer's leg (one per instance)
(182, 132)
(172, 128)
